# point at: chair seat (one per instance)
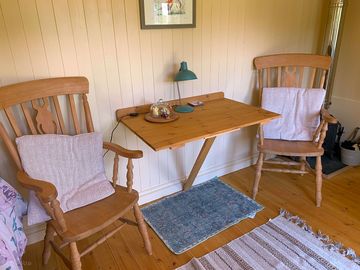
(85, 221)
(291, 148)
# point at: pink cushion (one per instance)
(74, 164)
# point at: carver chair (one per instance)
(293, 71)
(38, 103)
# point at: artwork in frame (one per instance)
(160, 14)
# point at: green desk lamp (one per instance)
(183, 75)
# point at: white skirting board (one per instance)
(36, 232)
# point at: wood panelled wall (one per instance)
(127, 66)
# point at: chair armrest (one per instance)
(327, 117)
(122, 151)
(45, 190)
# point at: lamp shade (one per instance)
(184, 74)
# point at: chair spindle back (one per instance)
(34, 107)
(292, 70)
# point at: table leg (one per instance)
(198, 163)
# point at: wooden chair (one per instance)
(293, 70)
(79, 223)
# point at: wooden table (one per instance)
(219, 115)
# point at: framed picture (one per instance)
(160, 14)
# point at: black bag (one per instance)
(332, 140)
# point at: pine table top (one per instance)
(217, 116)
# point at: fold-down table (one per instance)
(217, 116)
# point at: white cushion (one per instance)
(74, 164)
(299, 109)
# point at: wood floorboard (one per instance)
(339, 217)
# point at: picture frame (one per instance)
(162, 14)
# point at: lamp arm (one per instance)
(178, 89)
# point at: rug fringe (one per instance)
(329, 244)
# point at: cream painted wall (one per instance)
(127, 66)
(346, 97)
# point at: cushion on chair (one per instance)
(74, 164)
(300, 111)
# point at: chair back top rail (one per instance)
(293, 59)
(292, 70)
(31, 90)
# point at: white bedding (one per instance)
(12, 237)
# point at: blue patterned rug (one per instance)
(186, 219)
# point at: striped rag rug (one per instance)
(285, 242)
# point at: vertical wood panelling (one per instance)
(8, 71)
(187, 55)
(122, 48)
(224, 45)
(83, 52)
(50, 37)
(133, 26)
(102, 40)
(206, 32)
(109, 48)
(214, 20)
(17, 40)
(66, 37)
(233, 34)
(241, 49)
(146, 66)
(34, 40)
(167, 66)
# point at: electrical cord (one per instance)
(111, 137)
(117, 124)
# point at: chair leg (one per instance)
(74, 257)
(49, 236)
(302, 166)
(258, 174)
(318, 181)
(142, 228)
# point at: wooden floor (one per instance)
(339, 217)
